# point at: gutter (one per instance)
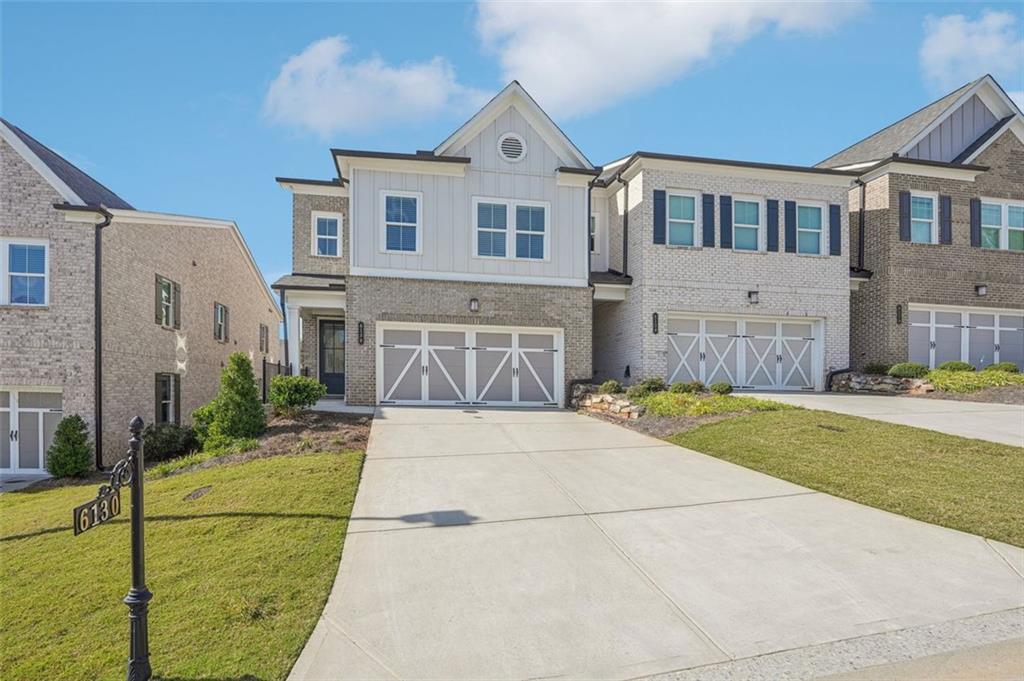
(284, 314)
(625, 222)
(860, 233)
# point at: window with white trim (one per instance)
(401, 215)
(746, 225)
(168, 303)
(491, 229)
(491, 223)
(809, 222)
(264, 338)
(593, 234)
(530, 227)
(24, 272)
(922, 219)
(166, 398)
(326, 234)
(1002, 225)
(682, 219)
(220, 323)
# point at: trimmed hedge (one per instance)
(877, 368)
(1008, 367)
(956, 365)
(291, 394)
(721, 388)
(611, 387)
(687, 387)
(908, 370)
(168, 440)
(645, 388)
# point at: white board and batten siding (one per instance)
(448, 241)
(957, 132)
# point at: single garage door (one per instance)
(744, 352)
(975, 335)
(453, 365)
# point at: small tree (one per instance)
(237, 411)
(70, 455)
(291, 394)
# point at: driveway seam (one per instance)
(509, 451)
(1003, 558)
(379, 662)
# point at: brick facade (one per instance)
(905, 273)
(303, 260)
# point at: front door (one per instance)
(332, 356)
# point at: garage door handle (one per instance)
(14, 435)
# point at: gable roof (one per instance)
(76, 187)
(971, 151)
(515, 94)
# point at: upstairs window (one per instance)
(746, 225)
(220, 323)
(1015, 227)
(326, 234)
(25, 268)
(491, 229)
(922, 219)
(682, 219)
(401, 221)
(168, 303)
(809, 220)
(1002, 225)
(530, 225)
(593, 234)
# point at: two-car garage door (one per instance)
(977, 336)
(476, 365)
(744, 352)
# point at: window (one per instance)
(682, 219)
(530, 232)
(326, 234)
(491, 229)
(1002, 225)
(24, 272)
(746, 225)
(401, 221)
(168, 303)
(809, 221)
(922, 219)
(264, 338)
(167, 400)
(593, 234)
(220, 322)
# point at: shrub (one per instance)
(956, 366)
(687, 387)
(645, 388)
(70, 454)
(969, 381)
(611, 387)
(721, 388)
(202, 417)
(291, 394)
(1008, 367)
(908, 370)
(168, 440)
(877, 368)
(237, 411)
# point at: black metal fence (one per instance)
(272, 369)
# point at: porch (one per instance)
(314, 312)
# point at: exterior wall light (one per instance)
(654, 322)
(360, 333)
(474, 305)
(899, 314)
(752, 296)
(981, 289)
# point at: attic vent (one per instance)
(512, 147)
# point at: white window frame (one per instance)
(314, 216)
(762, 218)
(5, 273)
(511, 229)
(934, 196)
(1004, 226)
(697, 216)
(822, 233)
(593, 233)
(221, 332)
(170, 396)
(382, 204)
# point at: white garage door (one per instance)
(441, 364)
(975, 335)
(744, 352)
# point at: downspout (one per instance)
(284, 315)
(98, 333)
(860, 232)
(590, 213)
(625, 223)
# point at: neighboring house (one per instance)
(109, 312)
(720, 271)
(940, 257)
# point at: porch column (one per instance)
(293, 336)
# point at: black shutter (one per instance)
(176, 293)
(176, 392)
(725, 208)
(158, 379)
(772, 206)
(659, 216)
(157, 302)
(976, 223)
(709, 220)
(215, 336)
(227, 317)
(945, 220)
(904, 216)
(835, 230)
(790, 226)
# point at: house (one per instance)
(938, 234)
(110, 312)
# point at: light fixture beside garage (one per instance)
(899, 314)
(360, 333)
(474, 305)
(981, 289)
(752, 297)
(654, 322)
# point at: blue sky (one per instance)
(195, 108)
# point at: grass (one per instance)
(968, 485)
(165, 468)
(689, 404)
(971, 381)
(239, 573)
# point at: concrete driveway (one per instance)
(981, 420)
(529, 544)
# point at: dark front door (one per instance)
(332, 356)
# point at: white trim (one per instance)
(934, 196)
(725, 170)
(922, 170)
(314, 189)
(697, 216)
(762, 222)
(348, 164)
(382, 221)
(14, 410)
(314, 235)
(468, 276)
(1004, 217)
(510, 228)
(595, 236)
(517, 137)
(294, 299)
(823, 233)
(39, 166)
(963, 313)
(5, 271)
(564, 179)
(965, 308)
(610, 291)
(1016, 126)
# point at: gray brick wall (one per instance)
(303, 259)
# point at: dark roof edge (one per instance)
(72, 208)
(579, 171)
(290, 287)
(922, 162)
(319, 183)
(995, 130)
(738, 164)
(856, 273)
(360, 153)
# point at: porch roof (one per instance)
(309, 282)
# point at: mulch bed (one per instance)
(1003, 394)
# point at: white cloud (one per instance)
(957, 50)
(319, 90)
(575, 57)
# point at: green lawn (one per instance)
(667, 403)
(239, 574)
(969, 485)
